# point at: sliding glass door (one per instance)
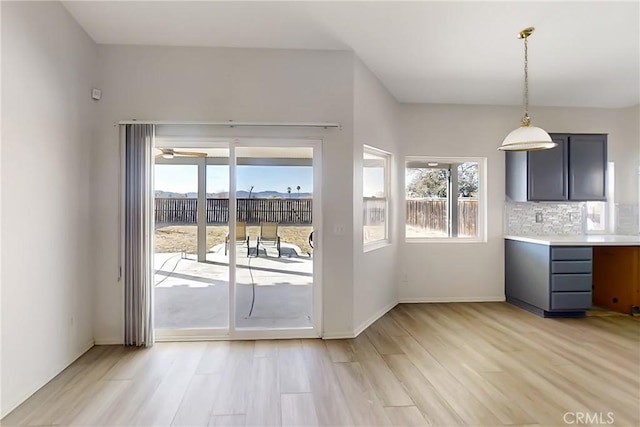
(236, 254)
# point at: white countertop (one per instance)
(588, 240)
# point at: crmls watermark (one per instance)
(603, 418)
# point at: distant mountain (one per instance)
(239, 194)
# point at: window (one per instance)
(600, 216)
(445, 198)
(375, 196)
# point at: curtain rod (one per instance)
(232, 124)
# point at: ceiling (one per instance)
(582, 54)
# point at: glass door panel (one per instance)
(274, 258)
(191, 223)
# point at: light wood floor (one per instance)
(486, 364)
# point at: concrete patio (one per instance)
(194, 295)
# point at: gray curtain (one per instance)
(138, 252)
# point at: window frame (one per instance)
(388, 159)
(609, 205)
(482, 199)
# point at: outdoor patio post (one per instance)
(202, 209)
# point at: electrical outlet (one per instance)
(538, 217)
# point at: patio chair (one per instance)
(241, 236)
(268, 236)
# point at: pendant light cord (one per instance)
(526, 121)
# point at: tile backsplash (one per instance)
(565, 218)
(562, 218)
(627, 219)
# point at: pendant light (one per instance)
(527, 137)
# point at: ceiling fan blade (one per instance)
(189, 153)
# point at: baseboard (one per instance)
(364, 325)
(108, 341)
(500, 298)
(20, 400)
(337, 335)
(87, 347)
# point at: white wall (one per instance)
(375, 124)
(47, 68)
(475, 271)
(163, 83)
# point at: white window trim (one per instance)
(482, 199)
(378, 244)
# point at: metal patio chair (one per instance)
(268, 236)
(241, 237)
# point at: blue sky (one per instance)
(184, 178)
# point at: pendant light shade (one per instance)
(527, 137)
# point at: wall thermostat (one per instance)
(96, 94)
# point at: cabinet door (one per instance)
(587, 167)
(547, 172)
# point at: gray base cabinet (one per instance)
(547, 280)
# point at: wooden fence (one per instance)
(253, 211)
(374, 212)
(431, 214)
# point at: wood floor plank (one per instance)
(263, 408)
(197, 403)
(143, 386)
(381, 340)
(390, 326)
(131, 364)
(365, 407)
(266, 348)
(298, 409)
(340, 351)
(291, 367)
(161, 407)
(481, 364)
(429, 401)
(530, 398)
(467, 406)
(405, 416)
(227, 421)
(214, 358)
(328, 398)
(95, 411)
(235, 380)
(385, 384)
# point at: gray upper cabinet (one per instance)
(574, 170)
(587, 167)
(547, 172)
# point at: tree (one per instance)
(427, 182)
(468, 179)
(298, 188)
(289, 191)
(433, 182)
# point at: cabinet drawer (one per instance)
(571, 253)
(571, 267)
(571, 282)
(570, 300)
